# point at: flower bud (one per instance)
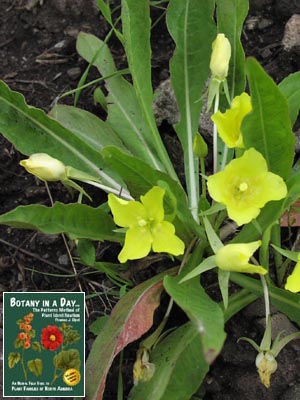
(266, 366)
(220, 56)
(45, 167)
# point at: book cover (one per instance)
(43, 344)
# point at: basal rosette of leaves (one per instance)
(153, 209)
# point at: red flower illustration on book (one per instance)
(51, 338)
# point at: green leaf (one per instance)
(291, 255)
(206, 265)
(66, 359)
(106, 12)
(202, 311)
(136, 30)
(130, 319)
(13, 359)
(267, 128)
(77, 220)
(86, 126)
(99, 323)
(290, 87)
(179, 367)
(230, 16)
(190, 23)
(140, 178)
(86, 251)
(35, 366)
(32, 131)
(286, 302)
(124, 112)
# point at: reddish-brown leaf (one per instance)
(130, 319)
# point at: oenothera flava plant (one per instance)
(252, 182)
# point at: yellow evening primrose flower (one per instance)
(245, 186)
(235, 257)
(229, 123)
(293, 281)
(45, 167)
(220, 56)
(146, 226)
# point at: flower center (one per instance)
(243, 187)
(142, 222)
(52, 338)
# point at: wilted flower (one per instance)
(229, 122)
(235, 257)
(266, 365)
(51, 337)
(143, 370)
(146, 226)
(245, 186)
(45, 167)
(220, 56)
(293, 281)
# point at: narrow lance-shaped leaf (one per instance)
(32, 131)
(130, 319)
(290, 87)
(182, 374)
(124, 112)
(230, 16)
(267, 128)
(136, 30)
(77, 220)
(190, 23)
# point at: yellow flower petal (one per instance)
(126, 213)
(153, 202)
(229, 123)
(235, 257)
(137, 244)
(245, 186)
(293, 281)
(165, 240)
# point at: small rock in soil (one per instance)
(74, 73)
(291, 37)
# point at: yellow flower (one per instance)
(45, 167)
(229, 123)
(146, 226)
(293, 281)
(245, 186)
(266, 366)
(235, 257)
(220, 56)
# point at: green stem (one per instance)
(215, 134)
(203, 180)
(23, 365)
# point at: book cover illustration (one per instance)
(43, 344)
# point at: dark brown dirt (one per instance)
(39, 59)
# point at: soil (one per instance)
(39, 59)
